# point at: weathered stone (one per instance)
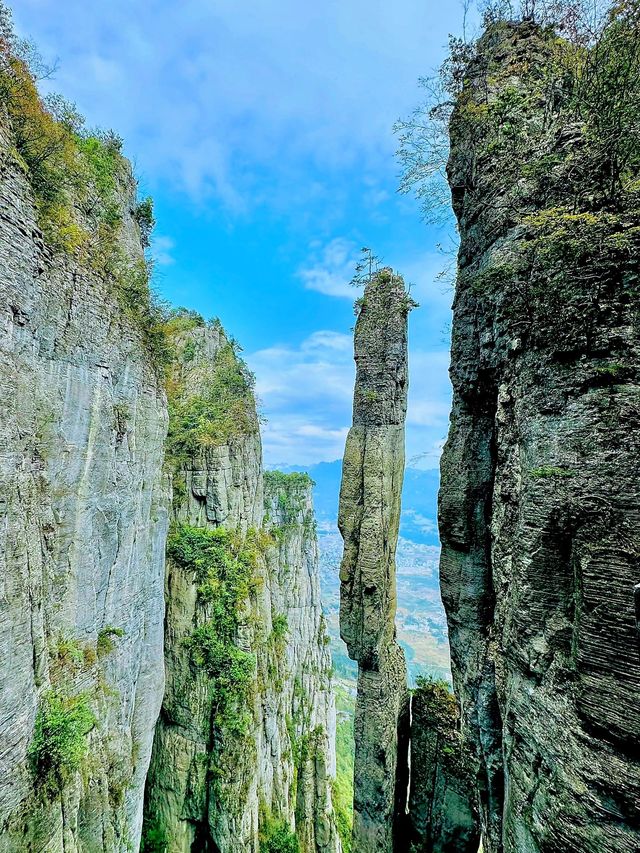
(443, 816)
(82, 530)
(539, 504)
(210, 786)
(369, 516)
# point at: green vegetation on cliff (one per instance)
(439, 714)
(290, 491)
(345, 751)
(576, 166)
(222, 410)
(81, 185)
(59, 742)
(276, 836)
(223, 565)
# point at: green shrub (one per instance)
(289, 491)
(103, 163)
(279, 481)
(612, 371)
(280, 626)
(71, 169)
(276, 836)
(549, 471)
(182, 320)
(143, 215)
(154, 837)
(61, 160)
(342, 787)
(225, 408)
(59, 742)
(223, 565)
(105, 644)
(131, 282)
(68, 651)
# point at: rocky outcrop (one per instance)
(368, 519)
(540, 475)
(244, 748)
(83, 516)
(303, 695)
(443, 816)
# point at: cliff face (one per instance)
(368, 518)
(539, 498)
(243, 755)
(243, 749)
(82, 527)
(443, 816)
(303, 695)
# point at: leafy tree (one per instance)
(145, 219)
(593, 78)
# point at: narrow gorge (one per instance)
(244, 747)
(166, 674)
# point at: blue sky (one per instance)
(263, 130)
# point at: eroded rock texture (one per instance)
(368, 519)
(443, 816)
(83, 514)
(539, 504)
(227, 771)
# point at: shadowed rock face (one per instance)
(539, 503)
(443, 816)
(368, 519)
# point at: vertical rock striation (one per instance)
(244, 747)
(83, 512)
(369, 517)
(299, 708)
(539, 503)
(244, 754)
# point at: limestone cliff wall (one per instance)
(303, 697)
(226, 775)
(539, 500)
(368, 518)
(443, 815)
(83, 516)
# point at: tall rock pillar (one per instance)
(368, 519)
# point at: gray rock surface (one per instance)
(208, 785)
(83, 516)
(368, 519)
(539, 503)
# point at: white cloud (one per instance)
(214, 95)
(332, 269)
(288, 440)
(162, 248)
(306, 394)
(307, 390)
(426, 525)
